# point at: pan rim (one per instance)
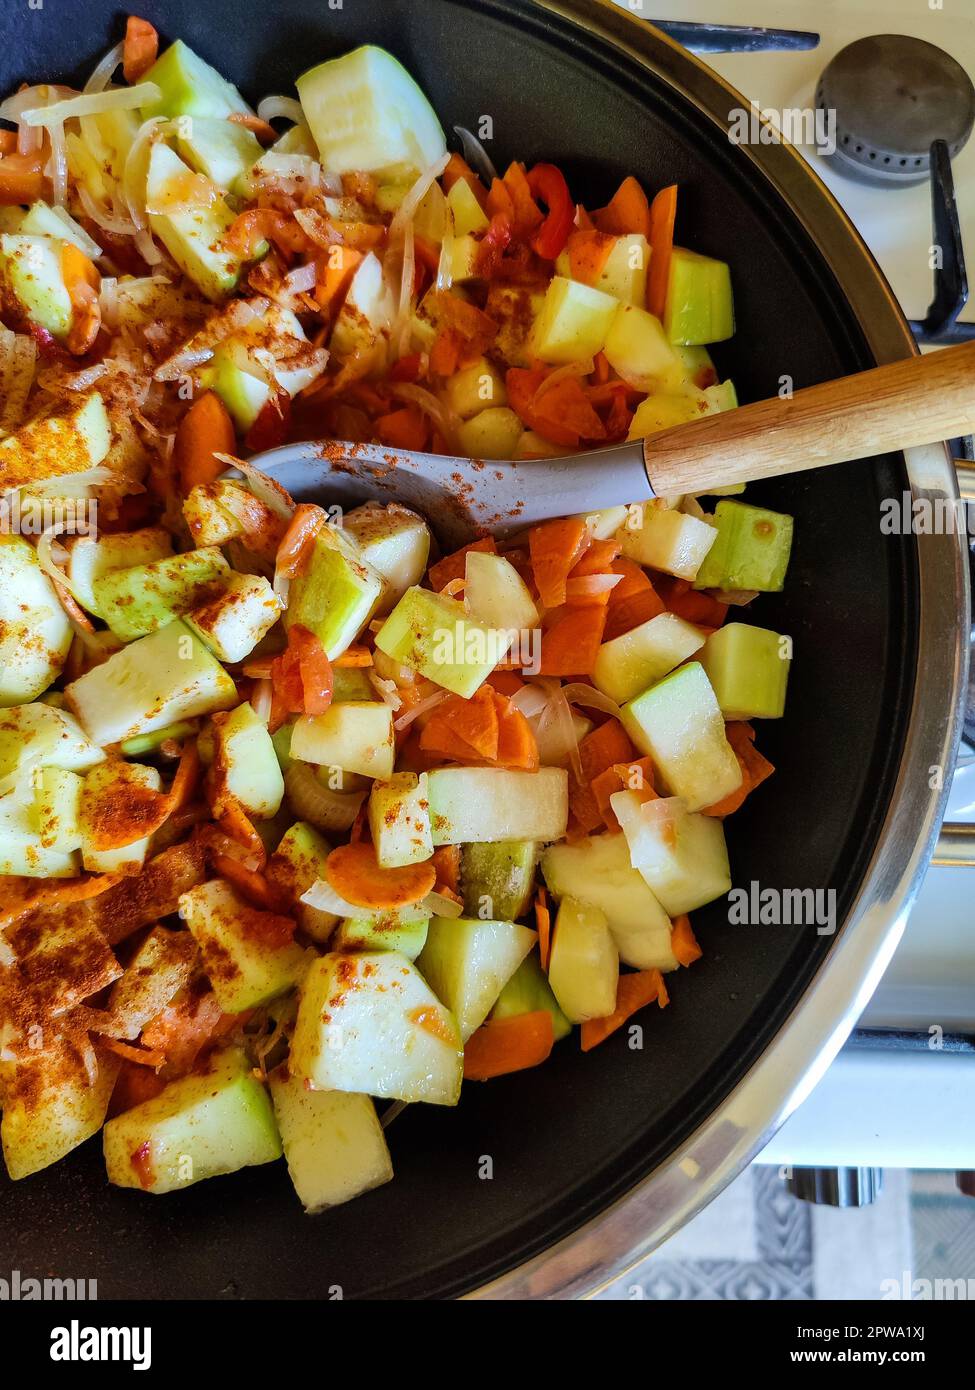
(614, 1241)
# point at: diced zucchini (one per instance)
(72, 436)
(678, 724)
(644, 655)
(394, 542)
(232, 623)
(399, 820)
(155, 681)
(496, 594)
(467, 962)
(50, 1106)
(190, 87)
(89, 558)
(483, 804)
(57, 809)
(466, 211)
(668, 540)
(273, 345)
(356, 736)
(493, 434)
(193, 236)
(112, 803)
(249, 956)
(337, 595)
(367, 310)
(297, 863)
(370, 1023)
(752, 549)
(21, 851)
(432, 634)
(748, 668)
(598, 871)
(333, 1142)
(637, 347)
(682, 855)
(41, 735)
(163, 965)
(584, 966)
(498, 878)
(32, 288)
(513, 308)
(458, 261)
(700, 306)
(623, 273)
(664, 410)
(387, 932)
(222, 150)
(477, 387)
(366, 113)
(201, 1126)
(144, 598)
(35, 633)
(247, 761)
(573, 322)
(528, 991)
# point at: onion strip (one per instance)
(93, 104)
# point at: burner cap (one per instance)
(893, 95)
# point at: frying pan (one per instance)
(594, 1159)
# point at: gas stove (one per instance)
(901, 1093)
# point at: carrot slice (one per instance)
(632, 602)
(571, 644)
(235, 822)
(141, 1056)
(356, 657)
(504, 1045)
(133, 1085)
(22, 178)
(506, 682)
(264, 131)
(634, 991)
(635, 776)
(588, 254)
(522, 385)
(598, 751)
(627, 212)
(334, 275)
(528, 216)
(446, 861)
(205, 430)
(691, 604)
(663, 211)
(555, 548)
(403, 429)
(754, 768)
(543, 925)
(294, 552)
(249, 883)
(354, 873)
(139, 48)
(683, 942)
(517, 746)
(454, 566)
(566, 406)
(598, 559)
(457, 722)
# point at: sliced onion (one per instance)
(45, 558)
(386, 690)
(56, 379)
(438, 905)
(578, 693)
(134, 176)
(529, 701)
(18, 359)
(301, 280)
(323, 897)
(57, 167)
(663, 811)
(736, 598)
(392, 1112)
(108, 222)
(261, 697)
(287, 108)
(77, 484)
(94, 103)
(476, 155)
(558, 710)
(407, 208)
(312, 801)
(580, 368)
(317, 228)
(591, 585)
(399, 335)
(421, 707)
(446, 420)
(105, 70)
(77, 234)
(264, 488)
(199, 348)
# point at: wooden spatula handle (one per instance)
(918, 401)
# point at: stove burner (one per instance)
(894, 96)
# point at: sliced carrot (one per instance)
(598, 559)
(571, 644)
(506, 682)
(235, 822)
(264, 131)
(528, 216)
(754, 768)
(454, 566)
(635, 579)
(683, 942)
(588, 253)
(504, 1045)
(186, 1026)
(446, 861)
(458, 169)
(599, 750)
(499, 202)
(627, 212)
(567, 406)
(555, 548)
(139, 48)
(517, 745)
(253, 886)
(294, 552)
(403, 429)
(635, 990)
(634, 776)
(333, 275)
(354, 873)
(133, 1085)
(314, 668)
(691, 604)
(205, 430)
(464, 729)
(355, 657)
(663, 211)
(445, 353)
(543, 925)
(522, 385)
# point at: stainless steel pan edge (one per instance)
(605, 1247)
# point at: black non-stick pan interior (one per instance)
(567, 1138)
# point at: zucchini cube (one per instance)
(751, 550)
(748, 668)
